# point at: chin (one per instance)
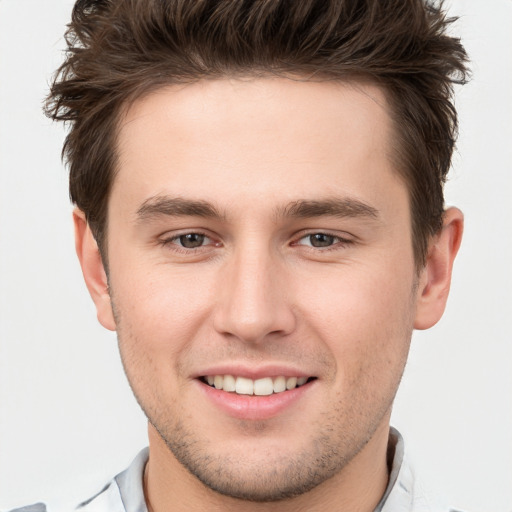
(260, 473)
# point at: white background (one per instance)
(68, 421)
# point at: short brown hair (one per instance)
(119, 50)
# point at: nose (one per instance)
(253, 301)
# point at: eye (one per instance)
(189, 240)
(322, 240)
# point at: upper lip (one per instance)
(252, 372)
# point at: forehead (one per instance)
(244, 139)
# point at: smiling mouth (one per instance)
(259, 387)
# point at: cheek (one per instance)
(162, 298)
(156, 317)
(365, 318)
(158, 313)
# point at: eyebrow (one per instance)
(176, 207)
(332, 207)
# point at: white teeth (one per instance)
(263, 386)
(244, 386)
(218, 381)
(279, 384)
(291, 382)
(259, 387)
(229, 383)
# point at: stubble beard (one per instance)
(340, 434)
(267, 479)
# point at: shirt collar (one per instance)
(130, 483)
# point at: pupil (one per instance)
(192, 240)
(321, 240)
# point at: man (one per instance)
(260, 217)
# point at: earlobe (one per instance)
(435, 278)
(93, 270)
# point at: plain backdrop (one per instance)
(68, 421)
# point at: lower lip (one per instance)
(254, 407)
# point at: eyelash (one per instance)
(338, 242)
(170, 242)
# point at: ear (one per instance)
(93, 270)
(435, 278)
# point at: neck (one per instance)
(359, 486)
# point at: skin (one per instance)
(272, 163)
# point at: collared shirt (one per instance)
(125, 493)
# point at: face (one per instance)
(262, 277)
